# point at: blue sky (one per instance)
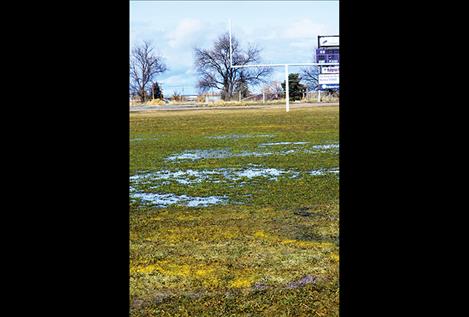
(285, 30)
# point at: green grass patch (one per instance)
(272, 251)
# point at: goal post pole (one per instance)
(287, 94)
(231, 53)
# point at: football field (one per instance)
(234, 213)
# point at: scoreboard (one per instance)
(328, 52)
(327, 55)
(328, 40)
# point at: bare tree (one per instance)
(273, 90)
(144, 66)
(310, 76)
(213, 67)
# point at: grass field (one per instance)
(234, 213)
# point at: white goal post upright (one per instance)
(287, 88)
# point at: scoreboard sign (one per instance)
(329, 69)
(329, 40)
(327, 55)
(328, 86)
(329, 79)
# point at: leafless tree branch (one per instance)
(213, 67)
(144, 66)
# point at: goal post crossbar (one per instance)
(287, 101)
(283, 65)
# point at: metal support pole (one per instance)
(231, 53)
(287, 94)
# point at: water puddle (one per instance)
(189, 177)
(164, 200)
(239, 136)
(232, 177)
(324, 171)
(269, 173)
(142, 139)
(286, 152)
(211, 154)
(186, 177)
(282, 143)
(199, 154)
(195, 155)
(246, 153)
(326, 146)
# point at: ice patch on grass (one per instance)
(323, 148)
(211, 154)
(239, 136)
(205, 201)
(326, 146)
(156, 199)
(324, 171)
(199, 154)
(165, 200)
(190, 176)
(141, 183)
(194, 155)
(142, 139)
(282, 143)
(269, 173)
(247, 153)
(185, 177)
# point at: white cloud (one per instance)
(306, 44)
(304, 28)
(179, 58)
(270, 35)
(191, 71)
(173, 80)
(294, 42)
(278, 75)
(184, 32)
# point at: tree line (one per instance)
(213, 69)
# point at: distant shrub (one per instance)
(155, 102)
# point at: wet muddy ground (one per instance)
(279, 148)
(140, 183)
(234, 213)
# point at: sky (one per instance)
(286, 31)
